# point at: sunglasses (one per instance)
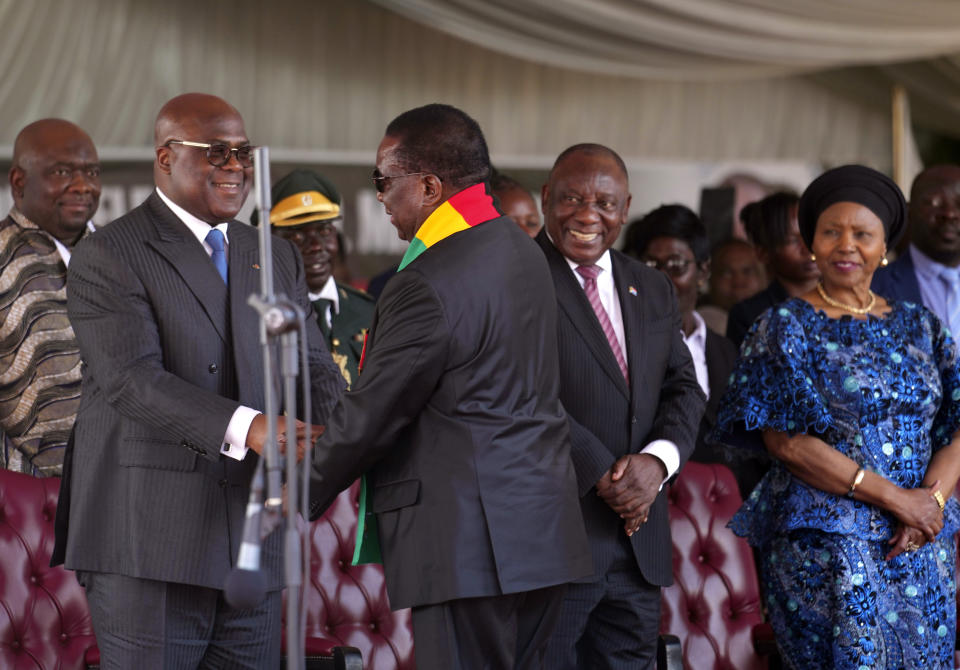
(218, 154)
(380, 181)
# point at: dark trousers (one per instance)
(491, 633)
(151, 625)
(610, 624)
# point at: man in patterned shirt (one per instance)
(55, 183)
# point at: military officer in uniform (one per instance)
(306, 211)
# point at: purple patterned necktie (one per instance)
(589, 274)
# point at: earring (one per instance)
(884, 262)
(813, 257)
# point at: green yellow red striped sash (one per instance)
(470, 207)
(467, 208)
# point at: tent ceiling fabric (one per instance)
(698, 40)
(324, 77)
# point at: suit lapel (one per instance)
(573, 302)
(718, 369)
(180, 248)
(907, 278)
(633, 321)
(244, 276)
(713, 352)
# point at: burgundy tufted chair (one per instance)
(348, 605)
(714, 602)
(44, 619)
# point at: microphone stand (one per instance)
(280, 318)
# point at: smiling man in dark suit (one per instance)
(630, 391)
(455, 417)
(160, 471)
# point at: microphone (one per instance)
(246, 585)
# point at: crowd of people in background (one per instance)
(810, 350)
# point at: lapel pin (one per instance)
(632, 290)
(256, 266)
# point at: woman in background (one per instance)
(672, 239)
(771, 225)
(516, 202)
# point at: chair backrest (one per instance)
(714, 602)
(44, 618)
(348, 605)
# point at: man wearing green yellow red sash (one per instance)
(455, 418)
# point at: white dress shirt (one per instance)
(665, 450)
(235, 439)
(697, 344)
(934, 291)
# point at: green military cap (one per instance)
(301, 197)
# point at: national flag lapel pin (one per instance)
(633, 291)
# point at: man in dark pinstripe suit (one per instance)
(630, 391)
(157, 482)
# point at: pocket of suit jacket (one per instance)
(146, 452)
(396, 495)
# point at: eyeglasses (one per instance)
(380, 181)
(675, 267)
(218, 154)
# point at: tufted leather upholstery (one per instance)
(714, 601)
(348, 605)
(44, 619)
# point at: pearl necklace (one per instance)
(842, 305)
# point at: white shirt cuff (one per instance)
(668, 454)
(235, 439)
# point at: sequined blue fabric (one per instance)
(884, 392)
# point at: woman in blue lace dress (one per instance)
(856, 398)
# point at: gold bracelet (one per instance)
(857, 478)
(939, 498)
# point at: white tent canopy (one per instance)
(677, 80)
(698, 40)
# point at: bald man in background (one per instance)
(169, 429)
(55, 183)
(928, 271)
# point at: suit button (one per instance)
(223, 483)
(212, 369)
(335, 342)
(633, 420)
